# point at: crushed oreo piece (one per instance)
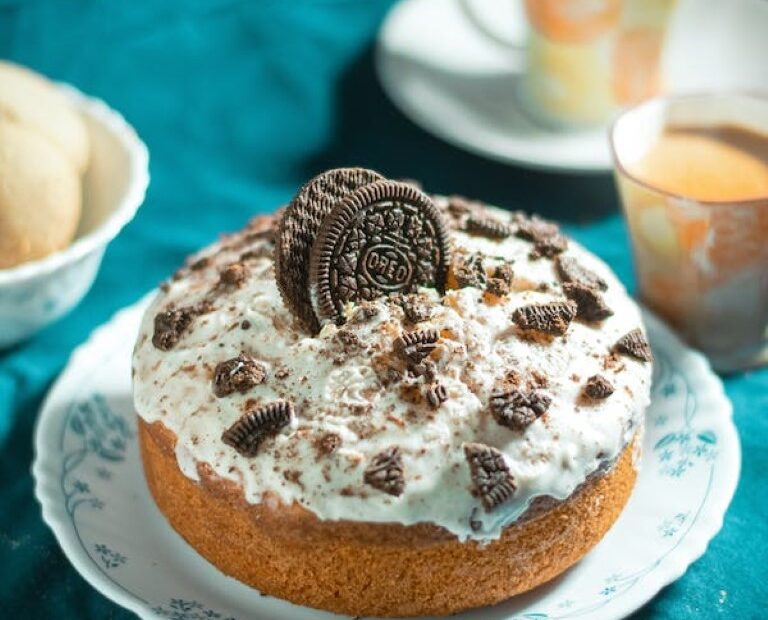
(487, 226)
(365, 311)
(436, 395)
(500, 281)
(570, 271)
(350, 340)
(255, 425)
(635, 345)
(532, 227)
(545, 235)
(416, 307)
(590, 303)
(459, 206)
(492, 481)
(233, 275)
(385, 237)
(425, 368)
(598, 387)
(238, 374)
(171, 324)
(245, 324)
(469, 271)
(549, 247)
(385, 472)
(548, 318)
(517, 409)
(415, 346)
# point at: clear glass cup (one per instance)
(702, 265)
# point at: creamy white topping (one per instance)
(339, 391)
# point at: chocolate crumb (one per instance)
(469, 271)
(416, 307)
(426, 368)
(349, 341)
(474, 523)
(500, 280)
(238, 374)
(200, 263)
(436, 395)
(247, 433)
(570, 271)
(492, 481)
(598, 387)
(590, 304)
(634, 344)
(385, 472)
(327, 444)
(517, 409)
(549, 318)
(245, 324)
(282, 372)
(365, 311)
(233, 275)
(293, 475)
(487, 226)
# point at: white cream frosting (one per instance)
(341, 393)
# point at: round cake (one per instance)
(455, 417)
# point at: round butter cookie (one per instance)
(31, 100)
(40, 196)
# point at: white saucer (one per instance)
(89, 481)
(456, 82)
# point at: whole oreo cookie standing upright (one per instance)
(386, 237)
(298, 228)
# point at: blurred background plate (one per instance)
(89, 481)
(461, 85)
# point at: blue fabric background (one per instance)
(240, 102)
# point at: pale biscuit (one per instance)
(31, 100)
(40, 196)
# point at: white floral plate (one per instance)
(90, 485)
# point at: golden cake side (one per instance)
(376, 569)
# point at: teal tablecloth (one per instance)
(239, 102)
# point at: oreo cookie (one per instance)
(386, 237)
(297, 229)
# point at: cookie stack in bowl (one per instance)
(381, 402)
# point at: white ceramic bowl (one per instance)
(34, 294)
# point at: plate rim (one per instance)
(694, 545)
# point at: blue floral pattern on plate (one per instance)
(90, 484)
